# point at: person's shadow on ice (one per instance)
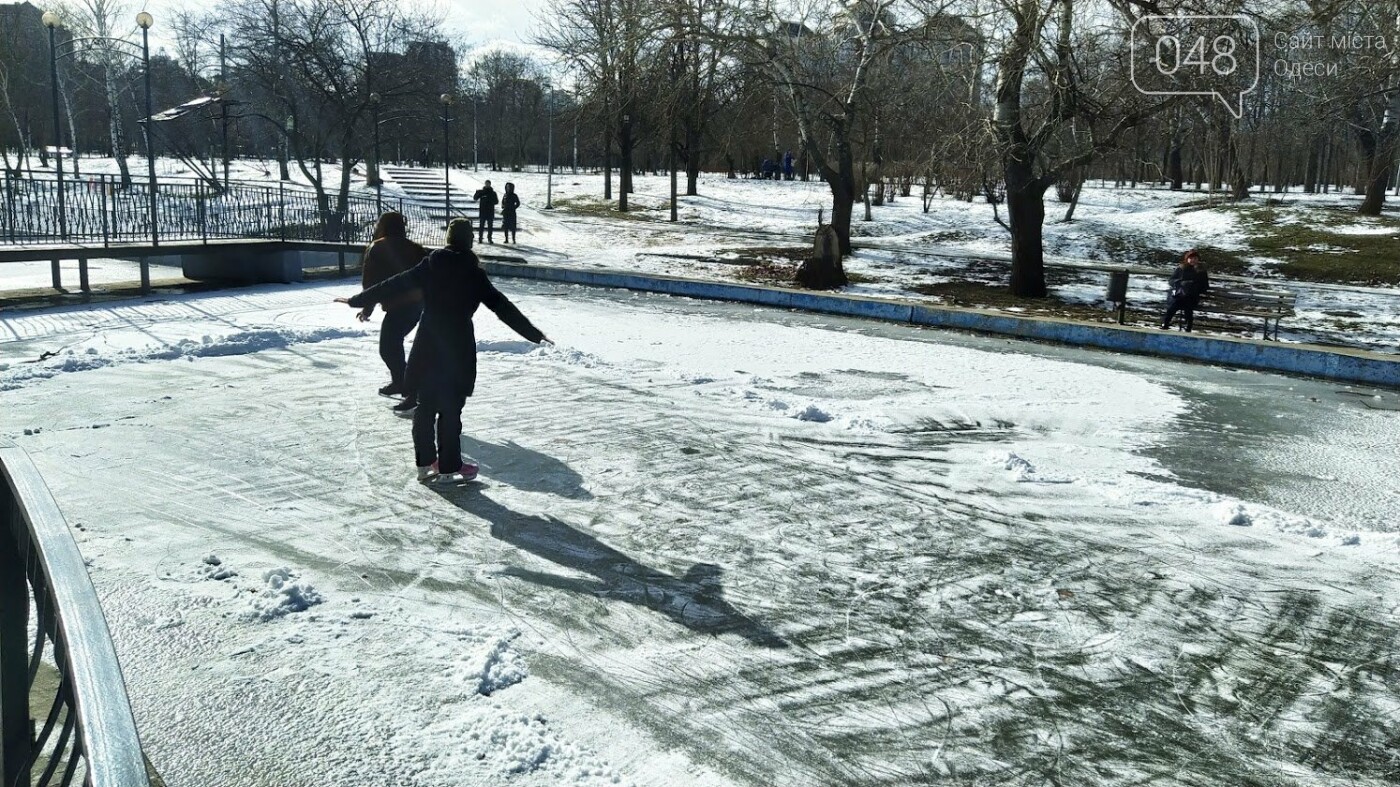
(524, 468)
(694, 600)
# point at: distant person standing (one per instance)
(486, 201)
(787, 165)
(1185, 288)
(509, 203)
(389, 254)
(443, 363)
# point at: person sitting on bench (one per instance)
(1188, 283)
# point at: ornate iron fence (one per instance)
(99, 209)
(89, 735)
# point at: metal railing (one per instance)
(99, 209)
(89, 733)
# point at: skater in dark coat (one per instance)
(486, 201)
(443, 363)
(1185, 288)
(389, 254)
(509, 203)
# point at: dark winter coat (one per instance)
(509, 203)
(390, 254)
(453, 285)
(1188, 282)
(486, 200)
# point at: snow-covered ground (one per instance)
(904, 247)
(901, 250)
(718, 545)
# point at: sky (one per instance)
(478, 21)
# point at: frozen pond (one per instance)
(719, 545)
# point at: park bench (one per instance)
(1230, 297)
(1236, 298)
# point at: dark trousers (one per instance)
(396, 325)
(439, 414)
(485, 226)
(1187, 307)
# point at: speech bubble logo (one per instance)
(1197, 55)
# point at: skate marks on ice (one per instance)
(694, 600)
(524, 468)
(952, 625)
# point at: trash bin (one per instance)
(1118, 286)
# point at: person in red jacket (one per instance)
(443, 363)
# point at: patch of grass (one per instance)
(946, 236)
(596, 208)
(991, 296)
(777, 274)
(1316, 252)
(1307, 243)
(1127, 248)
(759, 255)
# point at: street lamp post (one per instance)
(549, 182)
(144, 20)
(446, 99)
(378, 176)
(476, 109)
(51, 21)
(223, 105)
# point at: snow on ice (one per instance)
(284, 593)
(982, 556)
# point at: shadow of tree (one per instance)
(694, 600)
(523, 468)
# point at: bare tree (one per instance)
(609, 44)
(1062, 100)
(827, 62)
(193, 32)
(510, 90)
(311, 67)
(104, 32)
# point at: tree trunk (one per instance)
(114, 126)
(72, 126)
(692, 160)
(607, 165)
(1025, 207)
(842, 183)
(1314, 166)
(1375, 189)
(624, 178)
(1078, 188)
(1174, 169)
(1377, 160)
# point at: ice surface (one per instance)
(994, 562)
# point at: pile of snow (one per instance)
(213, 567)
(496, 667)
(812, 413)
(284, 594)
(238, 343)
(1240, 514)
(1021, 467)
